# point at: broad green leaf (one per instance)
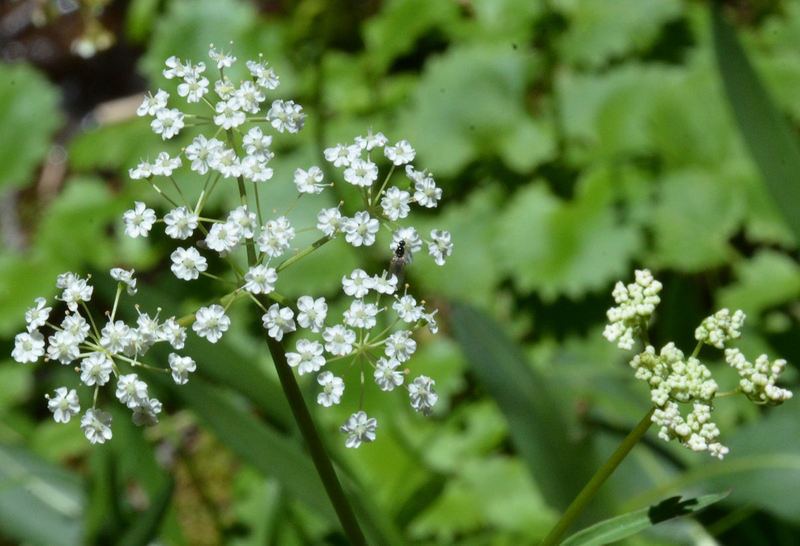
(40, 503)
(400, 24)
(620, 527)
(768, 279)
(600, 31)
(29, 116)
(770, 140)
(454, 117)
(558, 248)
(696, 214)
(538, 424)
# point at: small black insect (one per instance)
(400, 259)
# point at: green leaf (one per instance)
(768, 279)
(697, 213)
(29, 116)
(454, 118)
(620, 527)
(770, 140)
(39, 503)
(538, 425)
(600, 31)
(144, 529)
(555, 247)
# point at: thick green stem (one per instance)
(593, 485)
(319, 454)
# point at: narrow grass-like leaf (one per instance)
(39, 503)
(620, 527)
(537, 425)
(766, 133)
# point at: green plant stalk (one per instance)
(319, 454)
(593, 485)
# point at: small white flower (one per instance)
(227, 163)
(341, 155)
(423, 397)
(400, 346)
(142, 170)
(407, 309)
(309, 181)
(193, 88)
(286, 116)
(339, 340)
(131, 390)
(412, 240)
(387, 376)
(256, 144)
(360, 429)
(146, 412)
(187, 263)
(278, 321)
(96, 425)
(28, 347)
(76, 326)
(96, 369)
(311, 313)
(358, 284)
(401, 153)
(276, 237)
(181, 366)
(329, 221)
(265, 76)
(308, 357)
(245, 219)
(260, 279)
(180, 222)
(203, 152)
(440, 247)
(115, 336)
(332, 389)
(224, 60)
(395, 203)
(152, 104)
(139, 220)
(256, 169)
(173, 333)
(720, 327)
(361, 315)
(64, 405)
(168, 123)
(369, 142)
(164, 164)
(223, 237)
(250, 97)
(62, 346)
(385, 284)
(426, 193)
(229, 113)
(361, 173)
(360, 229)
(75, 291)
(126, 277)
(636, 302)
(37, 315)
(224, 88)
(210, 322)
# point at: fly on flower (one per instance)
(399, 261)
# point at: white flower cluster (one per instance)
(99, 353)
(720, 328)
(674, 379)
(244, 154)
(635, 305)
(757, 380)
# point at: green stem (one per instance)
(319, 454)
(593, 485)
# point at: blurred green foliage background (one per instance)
(575, 141)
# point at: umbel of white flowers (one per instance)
(675, 380)
(242, 155)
